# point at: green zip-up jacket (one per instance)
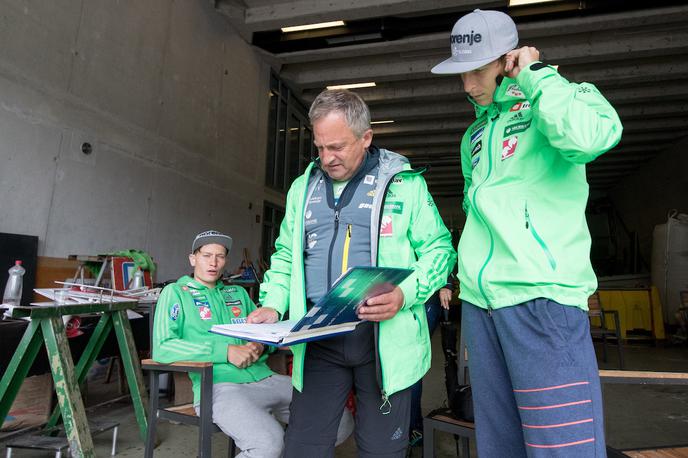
(525, 191)
(406, 232)
(183, 316)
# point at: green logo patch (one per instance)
(395, 207)
(516, 128)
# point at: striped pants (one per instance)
(536, 389)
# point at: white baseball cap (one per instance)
(477, 39)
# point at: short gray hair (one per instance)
(347, 103)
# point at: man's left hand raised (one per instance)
(382, 307)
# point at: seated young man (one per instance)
(248, 398)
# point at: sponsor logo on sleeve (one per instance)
(174, 312)
(236, 311)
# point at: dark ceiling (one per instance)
(636, 53)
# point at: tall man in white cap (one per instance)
(248, 398)
(524, 255)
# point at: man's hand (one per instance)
(382, 307)
(263, 315)
(257, 347)
(243, 356)
(520, 58)
(445, 297)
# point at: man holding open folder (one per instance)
(356, 205)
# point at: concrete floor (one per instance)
(636, 416)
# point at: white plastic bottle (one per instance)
(13, 289)
(137, 280)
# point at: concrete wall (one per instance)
(644, 198)
(174, 104)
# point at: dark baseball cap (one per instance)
(208, 237)
(477, 39)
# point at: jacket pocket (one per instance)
(539, 240)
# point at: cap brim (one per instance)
(450, 66)
(225, 241)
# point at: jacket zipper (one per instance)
(334, 238)
(345, 255)
(386, 406)
(376, 326)
(539, 240)
(475, 206)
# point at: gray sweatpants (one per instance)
(249, 413)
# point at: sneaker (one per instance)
(415, 438)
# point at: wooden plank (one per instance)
(644, 377)
(47, 311)
(150, 362)
(681, 452)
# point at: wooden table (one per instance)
(46, 327)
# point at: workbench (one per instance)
(46, 328)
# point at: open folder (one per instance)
(335, 313)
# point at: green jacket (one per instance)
(183, 316)
(525, 190)
(413, 236)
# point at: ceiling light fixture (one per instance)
(382, 122)
(528, 2)
(352, 85)
(320, 25)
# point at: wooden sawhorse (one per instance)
(46, 327)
